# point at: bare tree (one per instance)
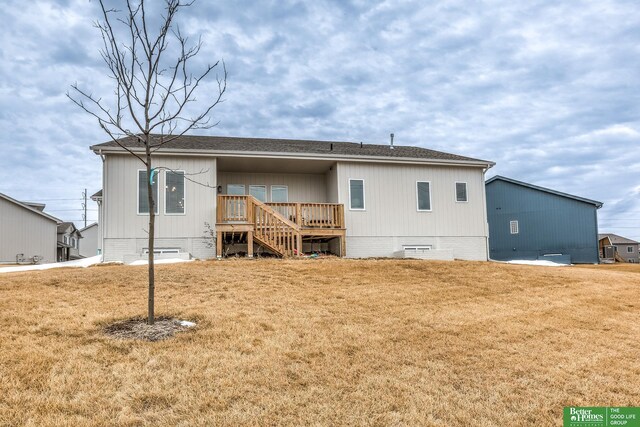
(154, 90)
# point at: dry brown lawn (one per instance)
(321, 342)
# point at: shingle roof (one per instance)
(294, 146)
(546, 190)
(617, 240)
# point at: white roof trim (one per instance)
(299, 156)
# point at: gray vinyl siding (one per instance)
(89, 241)
(25, 232)
(627, 256)
(301, 187)
(391, 218)
(124, 228)
(548, 223)
(332, 185)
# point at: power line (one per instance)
(71, 210)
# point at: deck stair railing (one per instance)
(278, 226)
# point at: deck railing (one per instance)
(238, 209)
(312, 215)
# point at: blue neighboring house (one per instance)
(531, 222)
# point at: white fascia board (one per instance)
(299, 156)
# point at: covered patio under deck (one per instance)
(282, 228)
(287, 206)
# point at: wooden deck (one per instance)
(280, 227)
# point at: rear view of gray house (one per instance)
(27, 234)
(531, 222)
(617, 247)
(288, 197)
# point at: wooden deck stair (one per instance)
(279, 227)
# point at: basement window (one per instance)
(162, 250)
(514, 227)
(417, 248)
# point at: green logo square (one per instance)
(595, 416)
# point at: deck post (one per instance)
(299, 243)
(299, 214)
(250, 244)
(343, 246)
(219, 244)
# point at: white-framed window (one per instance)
(423, 196)
(73, 242)
(235, 189)
(65, 239)
(630, 249)
(174, 193)
(143, 198)
(259, 192)
(514, 227)
(279, 193)
(461, 192)
(356, 195)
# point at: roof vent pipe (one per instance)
(360, 144)
(331, 149)
(391, 146)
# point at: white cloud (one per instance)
(548, 90)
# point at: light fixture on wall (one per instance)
(219, 189)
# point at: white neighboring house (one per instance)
(27, 234)
(89, 241)
(288, 197)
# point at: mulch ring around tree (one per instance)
(138, 329)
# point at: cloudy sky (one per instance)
(548, 90)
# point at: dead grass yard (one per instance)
(321, 342)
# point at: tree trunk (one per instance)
(152, 220)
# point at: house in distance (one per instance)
(288, 197)
(528, 222)
(614, 247)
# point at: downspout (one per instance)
(101, 227)
(484, 212)
(595, 215)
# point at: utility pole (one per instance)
(84, 206)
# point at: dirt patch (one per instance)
(138, 329)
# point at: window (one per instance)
(423, 191)
(279, 193)
(417, 248)
(356, 194)
(162, 250)
(174, 193)
(630, 249)
(235, 189)
(461, 192)
(259, 192)
(73, 242)
(513, 226)
(143, 198)
(65, 239)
